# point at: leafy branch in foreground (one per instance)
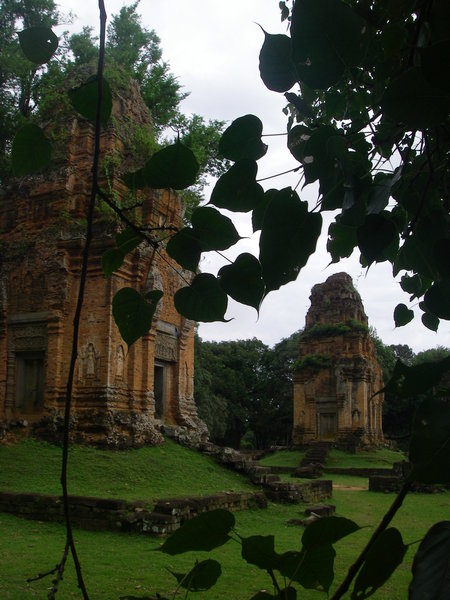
(371, 94)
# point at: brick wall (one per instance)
(110, 514)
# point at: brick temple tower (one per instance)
(338, 371)
(121, 398)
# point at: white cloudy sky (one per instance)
(213, 49)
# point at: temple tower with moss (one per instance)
(337, 373)
(121, 397)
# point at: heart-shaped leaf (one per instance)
(259, 550)
(204, 300)
(402, 315)
(172, 167)
(437, 299)
(309, 150)
(288, 238)
(113, 258)
(276, 67)
(312, 568)
(328, 530)
(429, 449)
(84, 99)
(185, 248)
(133, 313)
(38, 44)
(328, 37)
(430, 321)
(201, 577)
(381, 561)
(135, 180)
(237, 190)
(31, 150)
(411, 285)
(260, 210)
(431, 566)
(242, 139)
(243, 280)
(205, 532)
(377, 238)
(341, 241)
(213, 230)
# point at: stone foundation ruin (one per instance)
(338, 372)
(121, 397)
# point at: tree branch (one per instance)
(353, 570)
(76, 322)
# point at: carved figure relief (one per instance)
(120, 360)
(90, 363)
(90, 360)
(155, 282)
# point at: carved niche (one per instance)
(89, 367)
(166, 347)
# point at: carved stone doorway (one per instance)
(327, 422)
(159, 390)
(30, 382)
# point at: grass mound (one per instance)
(337, 458)
(283, 458)
(141, 474)
(364, 458)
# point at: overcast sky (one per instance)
(213, 49)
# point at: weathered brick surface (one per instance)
(42, 232)
(393, 483)
(338, 372)
(314, 491)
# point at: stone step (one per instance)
(264, 478)
(323, 510)
(309, 471)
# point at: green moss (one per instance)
(314, 361)
(330, 329)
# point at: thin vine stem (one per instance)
(294, 170)
(152, 242)
(70, 542)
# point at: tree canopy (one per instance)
(399, 410)
(252, 385)
(30, 90)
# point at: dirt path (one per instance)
(341, 486)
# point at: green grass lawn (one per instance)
(119, 564)
(142, 474)
(365, 458)
(336, 458)
(283, 458)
